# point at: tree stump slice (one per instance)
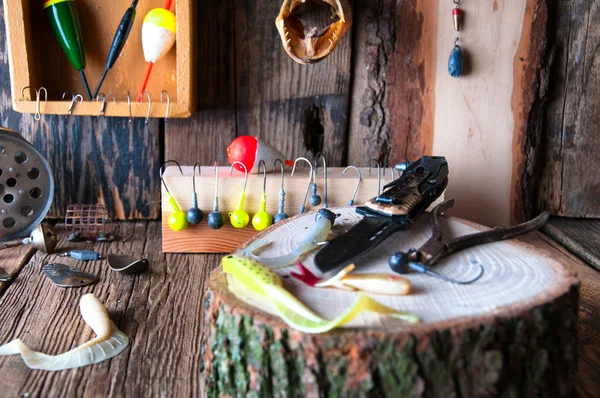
(512, 333)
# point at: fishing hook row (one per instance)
(101, 97)
(239, 218)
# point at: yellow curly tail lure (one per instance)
(264, 282)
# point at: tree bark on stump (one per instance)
(510, 334)
(526, 352)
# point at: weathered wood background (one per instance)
(570, 183)
(384, 93)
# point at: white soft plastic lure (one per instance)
(316, 235)
(108, 343)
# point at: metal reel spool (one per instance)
(26, 186)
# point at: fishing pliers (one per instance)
(437, 247)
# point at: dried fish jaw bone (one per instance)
(313, 46)
(109, 342)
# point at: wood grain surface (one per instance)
(394, 72)
(445, 355)
(94, 159)
(481, 118)
(204, 137)
(588, 324)
(37, 60)
(570, 186)
(299, 109)
(202, 239)
(515, 277)
(580, 236)
(12, 260)
(377, 95)
(160, 311)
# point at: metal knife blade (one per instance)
(361, 238)
(395, 209)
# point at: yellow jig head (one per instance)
(239, 218)
(177, 219)
(262, 219)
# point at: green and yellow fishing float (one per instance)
(63, 17)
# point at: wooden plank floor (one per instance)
(162, 313)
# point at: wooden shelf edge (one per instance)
(120, 109)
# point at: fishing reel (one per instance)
(26, 192)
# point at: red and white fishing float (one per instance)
(250, 150)
(159, 32)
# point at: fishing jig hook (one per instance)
(129, 106)
(149, 106)
(38, 97)
(262, 219)
(194, 215)
(310, 176)
(389, 166)
(280, 206)
(322, 156)
(351, 201)
(378, 174)
(239, 218)
(215, 218)
(166, 93)
(177, 219)
(74, 98)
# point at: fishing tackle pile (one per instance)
(262, 281)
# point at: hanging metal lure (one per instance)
(456, 60)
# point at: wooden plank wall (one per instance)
(376, 96)
(570, 181)
(94, 159)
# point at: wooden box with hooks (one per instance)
(36, 60)
(200, 238)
